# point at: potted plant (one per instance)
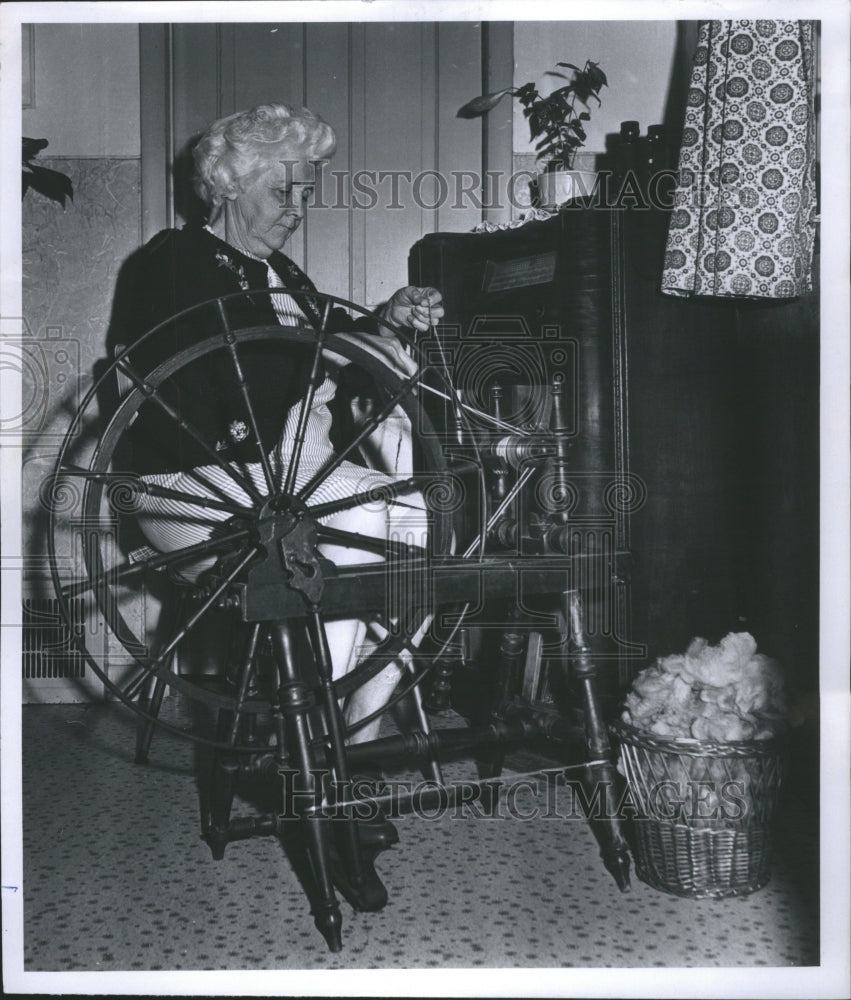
(556, 123)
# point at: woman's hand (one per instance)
(414, 308)
(410, 308)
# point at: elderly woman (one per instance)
(254, 170)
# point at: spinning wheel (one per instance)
(263, 552)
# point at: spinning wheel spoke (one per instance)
(210, 602)
(125, 572)
(326, 315)
(245, 675)
(304, 412)
(131, 688)
(204, 482)
(234, 474)
(372, 423)
(193, 500)
(130, 481)
(230, 342)
(387, 492)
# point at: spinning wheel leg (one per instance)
(295, 702)
(509, 661)
(355, 876)
(225, 767)
(225, 772)
(606, 828)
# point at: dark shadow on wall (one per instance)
(187, 204)
(777, 372)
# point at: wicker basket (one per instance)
(704, 811)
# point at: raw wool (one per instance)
(725, 693)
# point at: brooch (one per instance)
(223, 260)
(238, 430)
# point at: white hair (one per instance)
(235, 149)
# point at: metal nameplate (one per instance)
(503, 275)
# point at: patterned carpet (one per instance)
(116, 877)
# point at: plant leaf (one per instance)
(48, 182)
(569, 66)
(482, 104)
(31, 147)
(596, 77)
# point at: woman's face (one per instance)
(262, 217)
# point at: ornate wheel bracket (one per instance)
(289, 539)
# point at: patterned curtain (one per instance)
(744, 217)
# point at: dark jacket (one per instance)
(178, 269)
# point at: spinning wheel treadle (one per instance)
(260, 568)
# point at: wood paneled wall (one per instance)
(390, 90)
